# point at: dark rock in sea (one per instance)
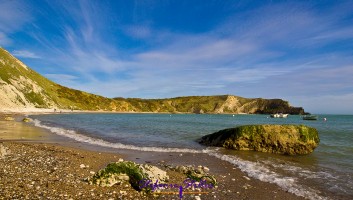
(26, 119)
(281, 139)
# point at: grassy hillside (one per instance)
(40, 92)
(192, 104)
(20, 87)
(213, 104)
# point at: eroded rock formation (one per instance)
(281, 139)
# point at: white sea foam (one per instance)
(259, 171)
(253, 169)
(86, 139)
(299, 171)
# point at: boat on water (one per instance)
(279, 115)
(310, 117)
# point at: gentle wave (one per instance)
(82, 138)
(260, 172)
(300, 171)
(253, 169)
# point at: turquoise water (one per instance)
(327, 172)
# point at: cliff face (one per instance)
(215, 104)
(21, 87)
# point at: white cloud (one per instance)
(24, 54)
(4, 40)
(252, 75)
(272, 51)
(61, 77)
(345, 33)
(67, 80)
(186, 64)
(326, 104)
(13, 14)
(138, 31)
(201, 53)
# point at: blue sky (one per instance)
(300, 51)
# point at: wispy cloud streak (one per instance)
(271, 50)
(24, 54)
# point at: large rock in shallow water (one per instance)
(281, 139)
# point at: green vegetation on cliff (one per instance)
(191, 104)
(21, 87)
(17, 79)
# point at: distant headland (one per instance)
(22, 87)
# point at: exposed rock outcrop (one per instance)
(199, 173)
(281, 139)
(127, 171)
(26, 119)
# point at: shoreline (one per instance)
(39, 111)
(233, 184)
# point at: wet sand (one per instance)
(39, 164)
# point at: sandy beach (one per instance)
(37, 164)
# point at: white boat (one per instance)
(310, 117)
(279, 115)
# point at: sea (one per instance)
(327, 173)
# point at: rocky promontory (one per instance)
(21, 88)
(281, 139)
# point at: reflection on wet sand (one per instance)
(12, 130)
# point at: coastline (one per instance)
(233, 184)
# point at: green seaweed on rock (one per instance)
(281, 139)
(131, 169)
(128, 171)
(199, 177)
